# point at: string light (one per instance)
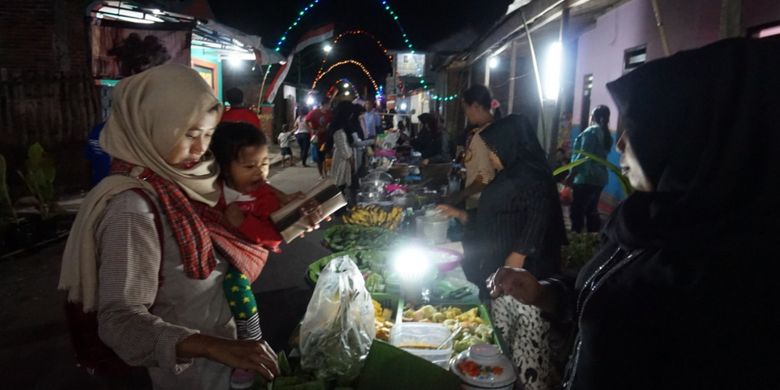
(354, 33)
(301, 14)
(444, 98)
(404, 36)
(338, 82)
(341, 63)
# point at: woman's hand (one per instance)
(234, 215)
(516, 282)
(248, 355)
(453, 212)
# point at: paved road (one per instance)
(35, 351)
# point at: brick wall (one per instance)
(43, 35)
(43, 51)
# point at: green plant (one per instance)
(39, 175)
(579, 250)
(624, 183)
(5, 198)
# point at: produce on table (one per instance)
(344, 237)
(374, 216)
(370, 262)
(473, 329)
(382, 321)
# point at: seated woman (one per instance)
(147, 249)
(683, 293)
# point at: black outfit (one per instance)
(429, 144)
(518, 211)
(304, 141)
(584, 207)
(684, 293)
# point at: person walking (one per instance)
(589, 179)
(340, 144)
(303, 134)
(318, 121)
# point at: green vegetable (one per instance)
(375, 283)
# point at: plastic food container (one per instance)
(433, 228)
(420, 339)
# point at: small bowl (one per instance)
(483, 366)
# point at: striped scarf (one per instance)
(197, 228)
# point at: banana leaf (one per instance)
(624, 183)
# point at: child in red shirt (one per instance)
(241, 150)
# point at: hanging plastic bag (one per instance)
(338, 327)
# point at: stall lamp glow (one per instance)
(309, 100)
(346, 93)
(403, 106)
(493, 62)
(235, 62)
(345, 85)
(327, 48)
(412, 264)
(552, 71)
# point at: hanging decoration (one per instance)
(303, 12)
(404, 36)
(444, 98)
(355, 33)
(346, 62)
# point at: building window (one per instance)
(634, 57)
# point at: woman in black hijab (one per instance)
(683, 294)
(518, 223)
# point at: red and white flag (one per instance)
(310, 38)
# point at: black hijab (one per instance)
(703, 126)
(514, 141)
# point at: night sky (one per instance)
(426, 22)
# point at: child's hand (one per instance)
(234, 215)
(289, 198)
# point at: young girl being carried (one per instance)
(241, 150)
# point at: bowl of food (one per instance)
(483, 366)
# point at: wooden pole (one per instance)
(661, 31)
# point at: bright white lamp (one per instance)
(493, 62)
(552, 71)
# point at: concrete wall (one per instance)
(758, 12)
(689, 24)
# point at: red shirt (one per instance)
(241, 115)
(257, 225)
(319, 119)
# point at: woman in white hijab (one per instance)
(169, 315)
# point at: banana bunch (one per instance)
(374, 216)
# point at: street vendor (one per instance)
(142, 249)
(481, 111)
(518, 223)
(683, 292)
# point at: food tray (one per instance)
(482, 310)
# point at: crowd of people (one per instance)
(679, 295)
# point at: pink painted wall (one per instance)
(689, 24)
(758, 12)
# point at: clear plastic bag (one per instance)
(338, 327)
